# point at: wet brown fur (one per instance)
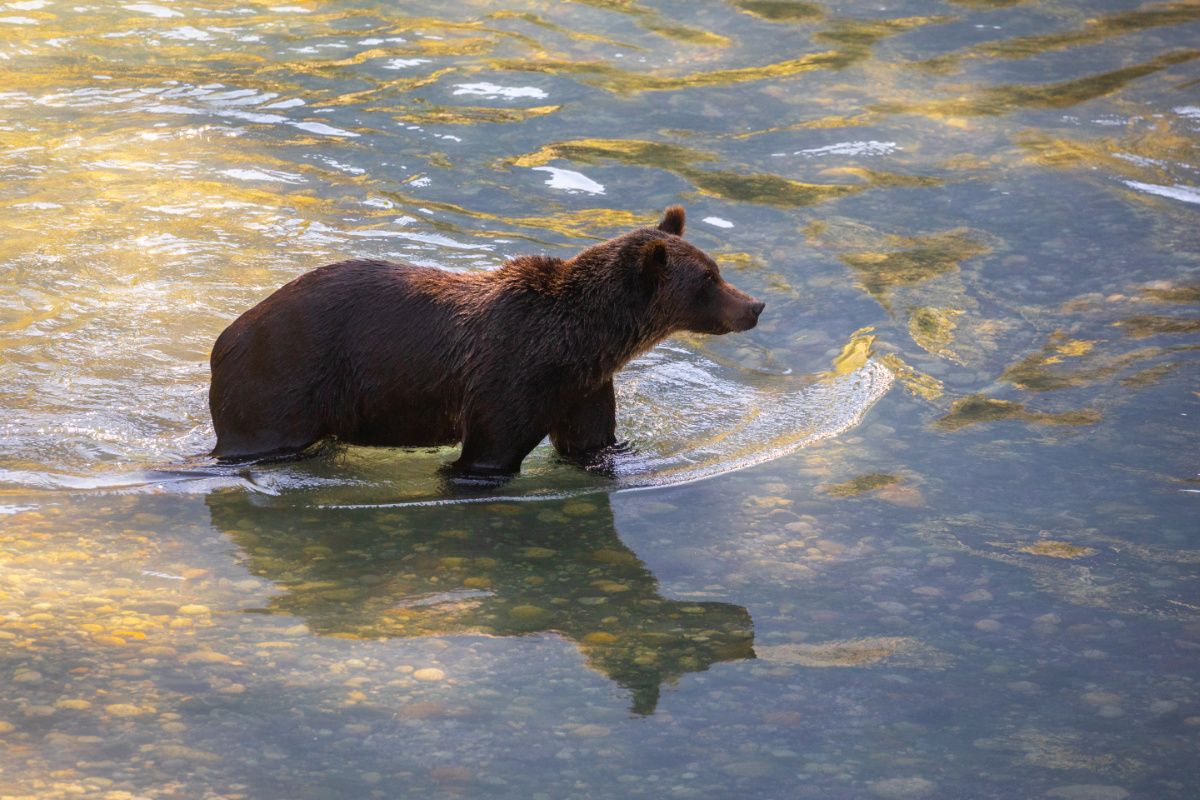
(390, 354)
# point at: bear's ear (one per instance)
(672, 221)
(654, 264)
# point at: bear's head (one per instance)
(684, 286)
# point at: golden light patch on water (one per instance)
(855, 352)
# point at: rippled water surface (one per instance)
(930, 530)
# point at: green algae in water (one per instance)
(917, 383)
(472, 115)
(860, 34)
(927, 257)
(782, 10)
(1053, 549)
(978, 409)
(664, 155)
(727, 184)
(1064, 363)
(1145, 325)
(1189, 294)
(653, 21)
(1063, 94)
(933, 329)
(1097, 30)
(862, 484)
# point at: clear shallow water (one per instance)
(979, 582)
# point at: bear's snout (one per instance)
(735, 311)
(750, 316)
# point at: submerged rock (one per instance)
(1088, 791)
(902, 788)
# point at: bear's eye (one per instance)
(710, 276)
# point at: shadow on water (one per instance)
(501, 569)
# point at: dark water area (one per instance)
(929, 530)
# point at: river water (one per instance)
(929, 530)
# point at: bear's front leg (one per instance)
(587, 426)
(493, 450)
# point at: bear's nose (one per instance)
(756, 308)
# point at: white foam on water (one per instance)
(686, 418)
(435, 239)
(1181, 192)
(717, 222)
(155, 11)
(188, 33)
(571, 181)
(276, 176)
(870, 148)
(486, 89)
(404, 63)
(323, 129)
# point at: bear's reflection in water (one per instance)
(502, 569)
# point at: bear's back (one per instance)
(336, 349)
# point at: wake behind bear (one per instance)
(394, 355)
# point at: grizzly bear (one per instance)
(394, 355)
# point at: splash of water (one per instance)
(685, 416)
